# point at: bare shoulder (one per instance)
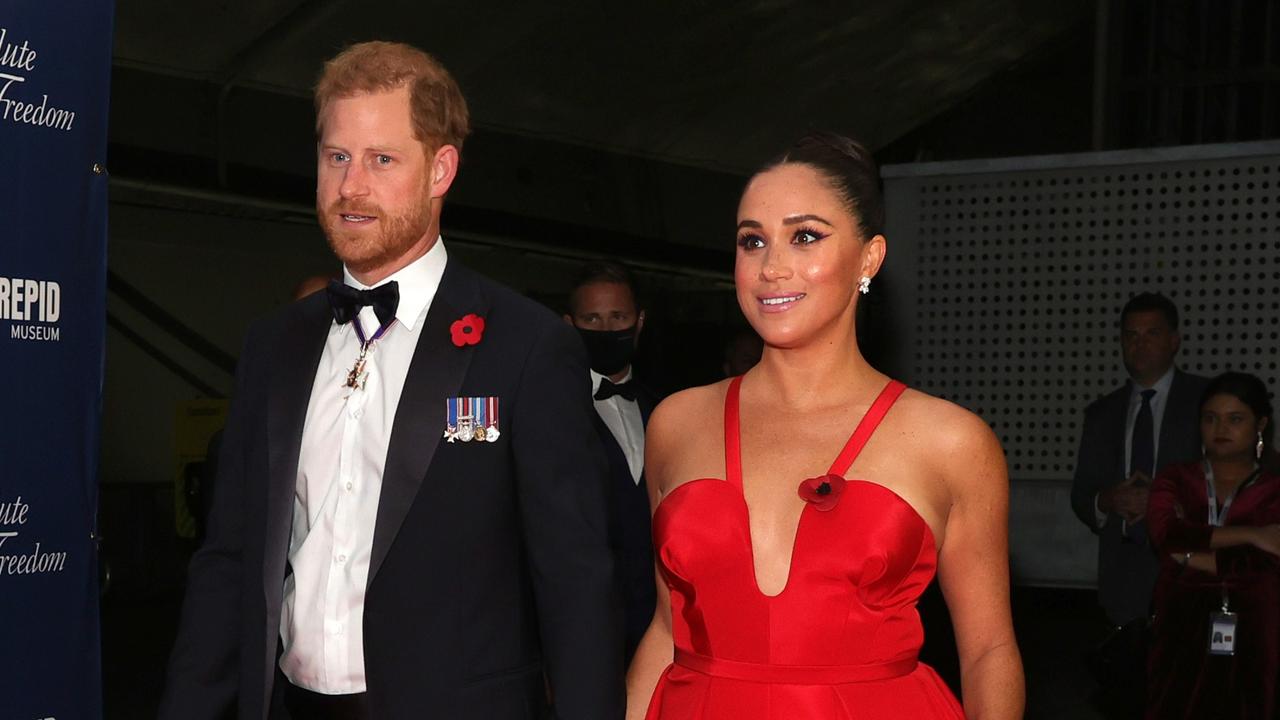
(960, 445)
(668, 439)
(679, 409)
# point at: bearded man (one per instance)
(407, 521)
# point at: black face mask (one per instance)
(609, 350)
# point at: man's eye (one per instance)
(339, 157)
(384, 159)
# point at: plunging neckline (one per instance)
(853, 447)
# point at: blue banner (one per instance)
(55, 69)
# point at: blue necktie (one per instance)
(1142, 446)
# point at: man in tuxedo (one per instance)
(1129, 435)
(603, 307)
(405, 524)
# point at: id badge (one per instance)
(1222, 633)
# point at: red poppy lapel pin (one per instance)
(823, 492)
(467, 330)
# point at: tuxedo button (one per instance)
(349, 486)
(342, 558)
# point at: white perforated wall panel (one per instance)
(1009, 277)
(1021, 274)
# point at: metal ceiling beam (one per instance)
(167, 196)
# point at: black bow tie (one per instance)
(346, 301)
(626, 390)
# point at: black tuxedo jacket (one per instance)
(630, 530)
(1127, 565)
(490, 565)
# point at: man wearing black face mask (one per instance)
(603, 307)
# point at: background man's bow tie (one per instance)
(346, 301)
(626, 390)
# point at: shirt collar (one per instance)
(597, 377)
(419, 281)
(1161, 386)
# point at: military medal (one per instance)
(470, 419)
(358, 376)
(490, 424)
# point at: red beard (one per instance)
(364, 249)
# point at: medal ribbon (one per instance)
(357, 372)
(382, 330)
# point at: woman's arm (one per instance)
(656, 648)
(1245, 546)
(1233, 535)
(652, 657)
(1175, 534)
(973, 569)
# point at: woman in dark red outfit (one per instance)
(1215, 523)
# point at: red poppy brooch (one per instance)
(823, 492)
(468, 330)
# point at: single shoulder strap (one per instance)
(866, 427)
(732, 441)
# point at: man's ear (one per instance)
(444, 168)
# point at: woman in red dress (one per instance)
(1215, 523)
(790, 552)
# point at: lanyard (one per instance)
(1218, 517)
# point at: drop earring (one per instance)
(864, 285)
(1257, 449)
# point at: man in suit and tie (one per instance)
(1129, 435)
(406, 523)
(603, 307)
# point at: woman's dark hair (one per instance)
(848, 168)
(1249, 390)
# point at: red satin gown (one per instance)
(840, 640)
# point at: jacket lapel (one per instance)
(435, 373)
(293, 374)
(1175, 409)
(1119, 445)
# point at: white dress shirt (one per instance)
(344, 450)
(1158, 402)
(623, 419)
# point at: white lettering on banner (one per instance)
(37, 561)
(14, 513)
(35, 332)
(23, 109)
(29, 301)
(18, 58)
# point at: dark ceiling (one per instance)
(597, 124)
(710, 84)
